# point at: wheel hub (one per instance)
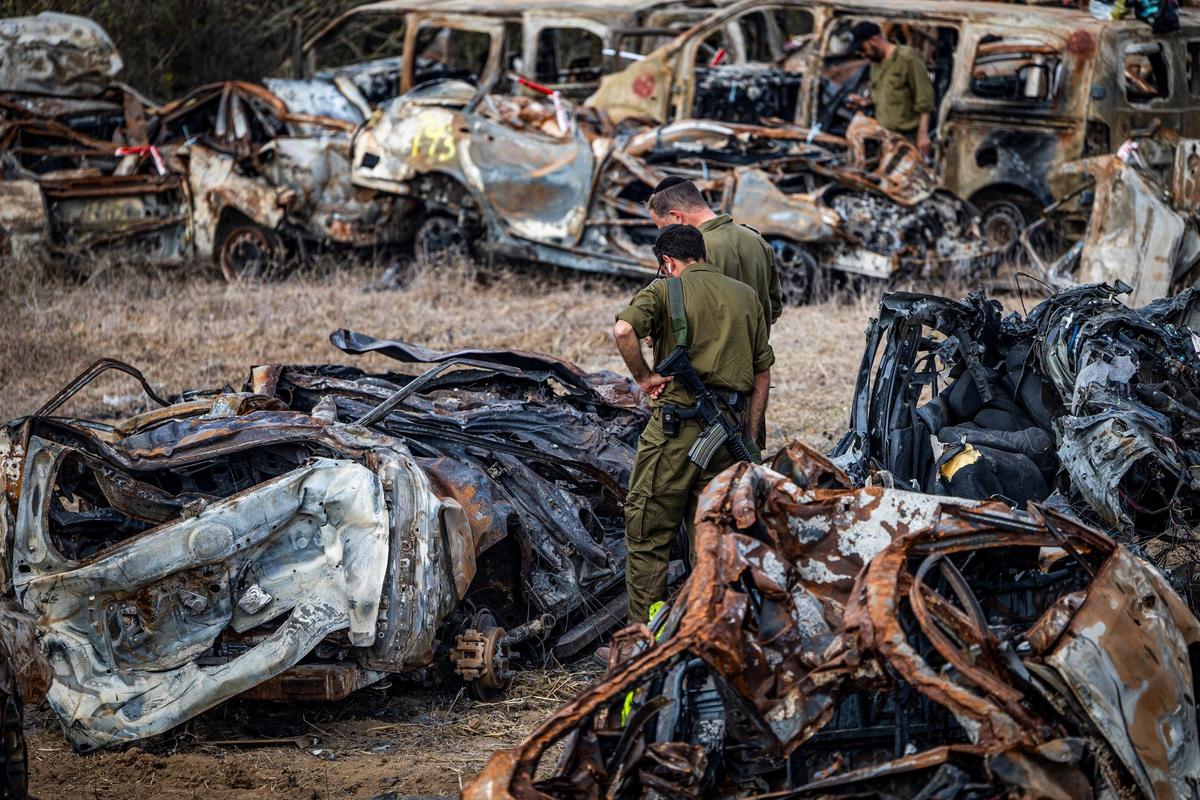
(1001, 224)
(482, 660)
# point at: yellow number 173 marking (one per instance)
(435, 140)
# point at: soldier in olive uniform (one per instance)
(735, 250)
(726, 335)
(900, 87)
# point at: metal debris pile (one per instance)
(226, 172)
(1085, 404)
(1142, 227)
(874, 642)
(317, 531)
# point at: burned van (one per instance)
(1018, 92)
(378, 51)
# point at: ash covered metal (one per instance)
(317, 531)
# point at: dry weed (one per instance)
(187, 329)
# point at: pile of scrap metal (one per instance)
(226, 172)
(496, 175)
(1143, 224)
(877, 643)
(1085, 403)
(316, 531)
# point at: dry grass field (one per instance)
(199, 332)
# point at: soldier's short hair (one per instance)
(675, 194)
(681, 242)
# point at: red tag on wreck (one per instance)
(643, 86)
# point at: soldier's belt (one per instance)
(673, 416)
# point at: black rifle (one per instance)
(718, 429)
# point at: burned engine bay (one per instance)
(879, 643)
(316, 531)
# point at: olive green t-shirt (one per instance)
(740, 253)
(727, 333)
(901, 90)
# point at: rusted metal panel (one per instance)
(1185, 188)
(1130, 617)
(23, 222)
(797, 659)
(1133, 234)
(319, 682)
(759, 203)
(24, 671)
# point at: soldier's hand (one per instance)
(925, 145)
(654, 384)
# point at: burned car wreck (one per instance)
(317, 531)
(1140, 225)
(879, 643)
(227, 172)
(833, 209)
(1084, 403)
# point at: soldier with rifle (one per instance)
(709, 390)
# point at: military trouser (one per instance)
(663, 491)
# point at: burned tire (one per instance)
(249, 252)
(12, 738)
(801, 279)
(1002, 218)
(439, 239)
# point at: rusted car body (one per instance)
(376, 52)
(512, 177)
(317, 531)
(877, 643)
(227, 172)
(1019, 91)
(1142, 226)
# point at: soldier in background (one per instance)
(735, 250)
(901, 91)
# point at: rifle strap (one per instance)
(679, 324)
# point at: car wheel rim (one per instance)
(1001, 224)
(440, 238)
(247, 254)
(797, 271)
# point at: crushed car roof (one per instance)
(54, 53)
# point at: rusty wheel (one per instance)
(800, 277)
(250, 252)
(1002, 222)
(12, 739)
(440, 238)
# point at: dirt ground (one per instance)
(198, 332)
